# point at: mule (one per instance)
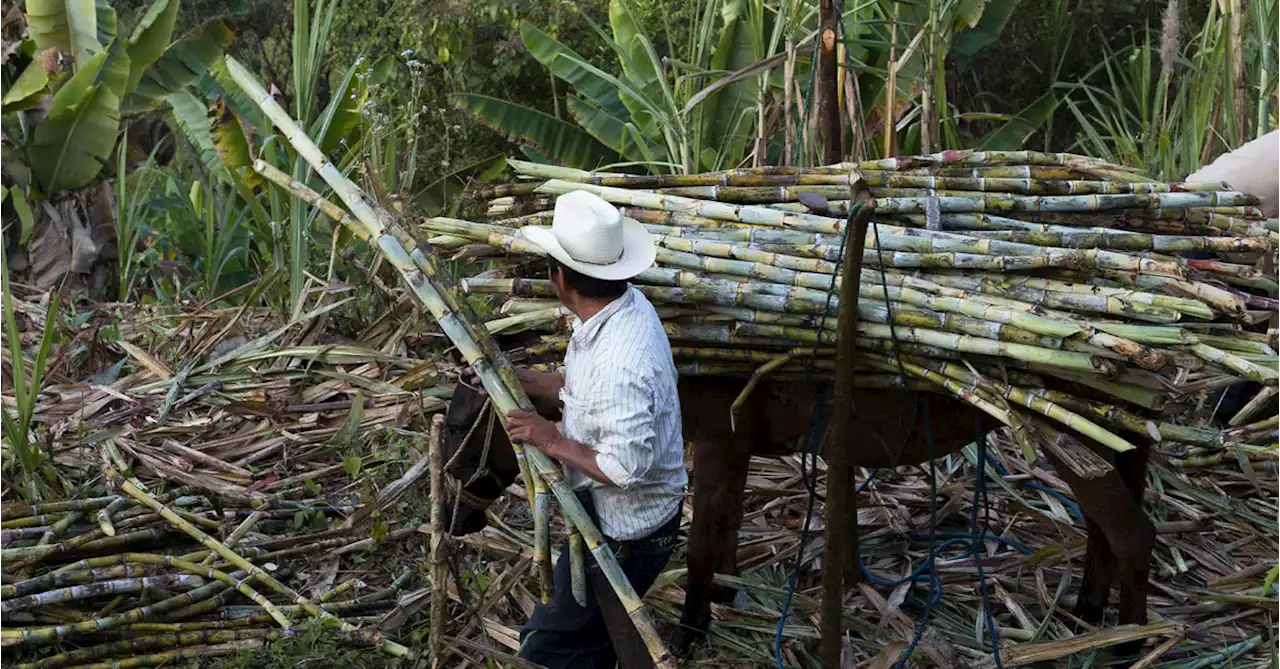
(774, 421)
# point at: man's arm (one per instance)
(529, 428)
(622, 424)
(579, 457)
(543, 388)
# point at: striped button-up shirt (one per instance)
(620, 400)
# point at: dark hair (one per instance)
(589, 286)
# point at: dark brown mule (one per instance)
(775, 420)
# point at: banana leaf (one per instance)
(191, 117)
(232, 146)
(70, 26)
(181, 65)
(563, 142)
(106, 21)
(550, 53)
(73, 144)
(150, 38)
(724, 134)
(622, 137)
(29, 89)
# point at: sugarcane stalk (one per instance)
(1260, 401)
(170, 656)
(99, 589)
(46, 635)
(491, 366)
(21, 510)
(341, 589)
(419, 270)
(1157, 430)
(1235, 363)
(149, 642)
(59, 579)
(258, 574)
(439, 568)
(1034, 402)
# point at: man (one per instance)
(620, 440)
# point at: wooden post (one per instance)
(828, 82)
(840, 519)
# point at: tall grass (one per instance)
(1169, 110)
(32, 461)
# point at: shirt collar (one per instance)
(584, 332)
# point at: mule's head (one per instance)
(481, 461)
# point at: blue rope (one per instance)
(972, 543)
(980, 491)
(811, 452)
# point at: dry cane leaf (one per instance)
(887, 656)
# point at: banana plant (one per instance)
(66, 89)
(744, 76)
(638, 115)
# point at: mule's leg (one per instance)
(1099, 574)
(1133, 578)
(1118, 522)
(719, 476)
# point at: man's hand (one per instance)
(527, 427)
(467, 375)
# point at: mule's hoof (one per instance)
(684, 640)
(1128, 651)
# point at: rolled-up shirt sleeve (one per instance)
(624, 431)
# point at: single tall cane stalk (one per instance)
(439, 569)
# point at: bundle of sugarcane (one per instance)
(435, 290)
(1001, 277)
(137, 578)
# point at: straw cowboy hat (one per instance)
(589, 235)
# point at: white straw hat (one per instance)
(589, 235)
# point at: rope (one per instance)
(817, 421)
(977, 535)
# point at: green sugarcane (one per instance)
(149, 642)
(492, 368)
(794, 177)
(99, 589)
(1235, 363)
(1104, 304)
(59, 579)
(38, 520)
(21, 510)
(46, 635)
(1157, 430)
(1032, 401)
(170, 656)
(425, 268)
(342, 589)
(1187, 306)
(243, 564)
(33, 554)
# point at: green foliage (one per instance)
(1169, 115)
(33, 462)
(71, 26)
(73, 143)
(567, 142)
(179, 66)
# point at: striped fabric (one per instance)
(620, 400)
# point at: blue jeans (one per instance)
(563, 635)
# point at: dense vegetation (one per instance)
(418, 99)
